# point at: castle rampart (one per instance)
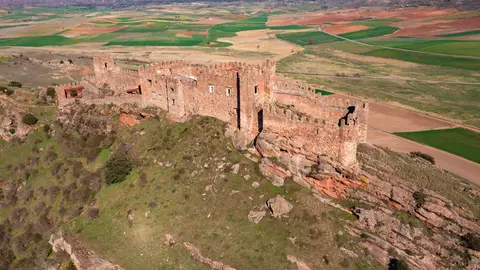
(250, 98)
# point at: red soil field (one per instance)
(343, 28)
(345, 16)
(438, 27)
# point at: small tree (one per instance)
(74, 93)
(311, 41)
(29, 119)
(70, 61)
(15, 84)
(118, 167)
(51, 92)
(61, 62)
(397, 264)
(419, 196)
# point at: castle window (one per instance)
(229, 91)
(211, 89)
(105, 65)
(150, 81)
(173, 102)
(172, 90)
(256, 90)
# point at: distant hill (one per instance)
(459, 4)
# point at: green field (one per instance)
(255, 23)
(461, 34)
(374, 32)
(454, 47)
(375, 22)
(38, 41)
(458, 141)
(164, 41)
(308, 38)
(446, 61)
(289, 27)
(322, 92)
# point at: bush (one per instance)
(51, 92)
(92, 213)
(61, 62)
(12, 131)
(7, 91)
(70, 61)
(397, 264)
(419, 196)
(424, 156)
(29, 119)
(471, 241)
(15, 84)
(118, 167)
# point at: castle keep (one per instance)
(250, 98)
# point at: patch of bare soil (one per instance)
(433, 28)
(346, 28)
(212, 20)
(261, 41)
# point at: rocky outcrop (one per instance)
(11, 124)
(195, 253)
(301, 265)
(279, 206)
(82, 258)
(398, 220)
(256, 216)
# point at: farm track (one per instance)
(400, 49)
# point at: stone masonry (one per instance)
(250, 98)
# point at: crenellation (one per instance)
(250, 98)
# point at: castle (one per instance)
(250, 98)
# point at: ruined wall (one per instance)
(64, 99)
(248, 97)
(313, 135)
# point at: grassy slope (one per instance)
(215, 221)
(458, 141)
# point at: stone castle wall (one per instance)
(249, 97)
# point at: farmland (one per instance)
(374, 32)
(308, 38)
(458, 141)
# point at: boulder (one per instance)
(169, 241)
(279, 206)
(256, 217)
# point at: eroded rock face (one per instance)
(279, 206)
(425, 232)
(82, 258)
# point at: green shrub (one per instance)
(397, 264)
(118, 167)
(74, 93)
(15, 84)
(70, 61)
(424, 156)
(61, 62)
(471, 241)
(419, 196)
(51, 92)
(12, 131)
(29, 119)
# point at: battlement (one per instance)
(250, 98)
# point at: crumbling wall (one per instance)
(313, 135)
(248, 97)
